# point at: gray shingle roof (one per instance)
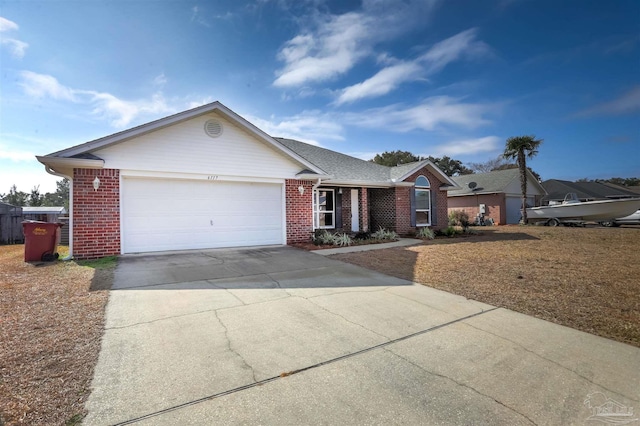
(491, 182)
(343, 167)
(339, 166)
(557, 189)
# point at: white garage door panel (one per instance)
(162, 214)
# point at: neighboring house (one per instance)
(586, 191)
(495, 194)
(43, 214)
(10, 224)
(207, 178)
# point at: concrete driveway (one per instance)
(283, 336)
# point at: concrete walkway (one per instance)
(282, 336)
(402, 242)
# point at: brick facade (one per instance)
(364, 209)
(495, 206)
(391, 208)
(299, 211)
(96, 214)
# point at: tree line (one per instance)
(34, 198)
(448, 165)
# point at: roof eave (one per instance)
(66, 165)
(312, 176)
(363, 183)
(434, 169)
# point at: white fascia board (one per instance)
(361, 183)
(434, 169)
(66, 165)
(475, 193)
(312, 176)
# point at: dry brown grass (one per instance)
(50, 328)
(584, 278)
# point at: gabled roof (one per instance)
(83, 157)
(345, 169)
(493, 182)
(318, 163)
(558, 189)
(339, 166)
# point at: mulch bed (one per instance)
(584, 278)
(51, 322)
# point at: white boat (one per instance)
(572, 209)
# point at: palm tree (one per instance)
(519, 148)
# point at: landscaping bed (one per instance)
(51, 322)
(584, 278)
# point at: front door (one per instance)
(355, 212)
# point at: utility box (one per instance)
(40, 240)
(483, 209)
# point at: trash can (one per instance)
(40, 240)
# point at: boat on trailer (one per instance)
(573, 211)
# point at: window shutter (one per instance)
(434, 208)
(412, 197)
(338, 209)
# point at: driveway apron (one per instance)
(278, 335)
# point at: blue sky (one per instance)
(361, 77)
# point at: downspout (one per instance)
(70, 179)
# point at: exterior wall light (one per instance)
(96, 183)
(301, 189)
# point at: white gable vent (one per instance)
(213, 128)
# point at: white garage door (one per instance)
(167, 214)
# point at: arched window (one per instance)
(423, 201)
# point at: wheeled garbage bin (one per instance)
(40, 240)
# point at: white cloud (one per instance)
(200, 102)
(196, 16)
(7, 25)
(16, 47)
(309, 126)
(434, 60)
(15, 155)
(430, 114)
(382, 83)
(625, 104)
(330, 45)
(461, 45)
(466, 147)
(43, 86)
(118, 112)
(160, 80)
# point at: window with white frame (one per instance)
(423, 201)
(324, 209)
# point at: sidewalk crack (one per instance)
(432, 373)
(230, 348)
(551, 361)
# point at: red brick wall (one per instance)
(442, 220)
(364, 210)
(403, 211)
(299, 211)
(495, 206)
(96, 214)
